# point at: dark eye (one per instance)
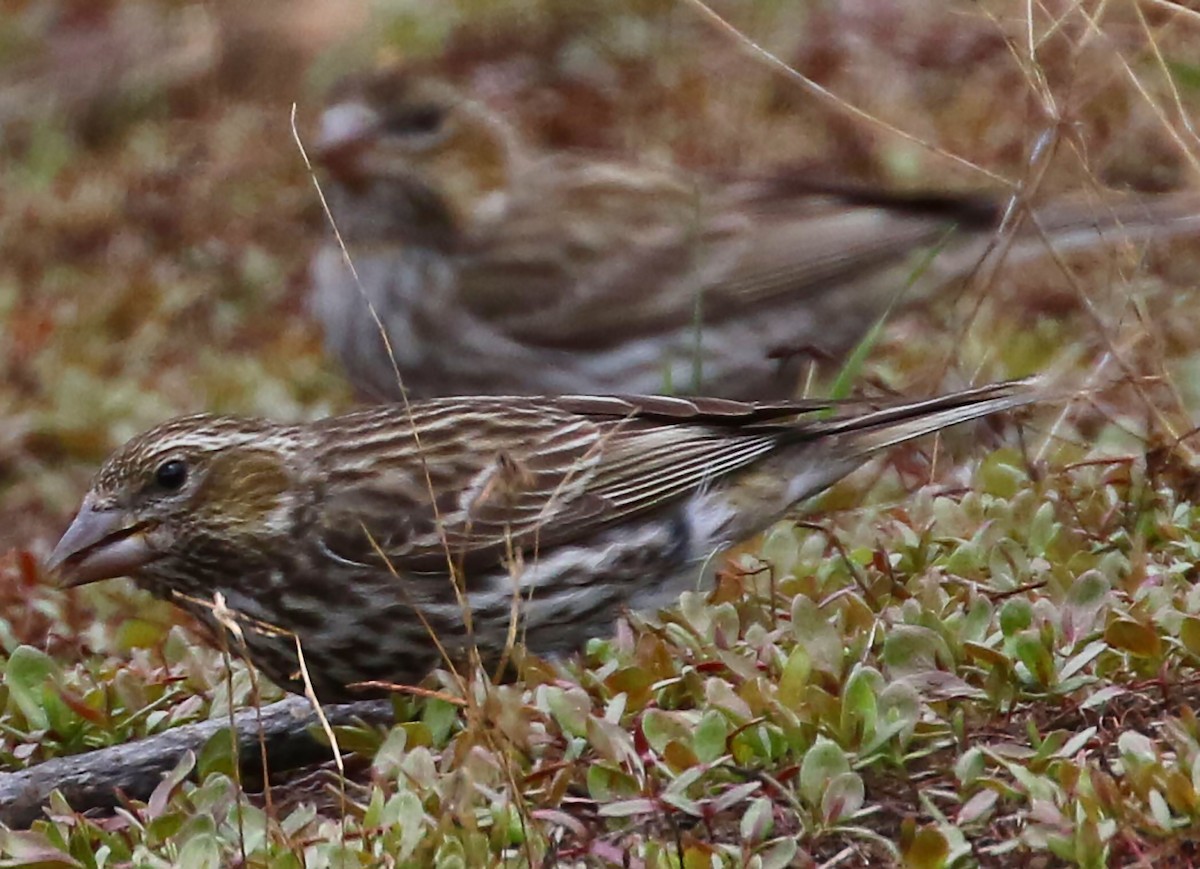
(171, 475)
(419, 120)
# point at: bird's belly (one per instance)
(563, 597)
(365, 624)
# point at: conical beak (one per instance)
(100, 543)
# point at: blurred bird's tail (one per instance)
(1068, 225)
(1077, 223)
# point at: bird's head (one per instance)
(418, 134)
(177, 489)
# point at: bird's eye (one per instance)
(171, 475)
(417, 121)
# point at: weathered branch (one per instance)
(92, 780)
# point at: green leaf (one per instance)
(1159, 809)
(762, 743)
(629, 808)
(822, 763)
(1136, 747)
(676, 793)
(860, 704)
(660, 727)
(1086, 599)
(216, 755)
(1082, 658)
(202, 851)
(970, 766)
(912, 650)
(160, 798)
(361, 739)
(607, 783)
(28, 675)
(1032, 652)
(409, 816)
(1008, 563)
(373, 814)
(978, 621)
(899, 711)
(439, 716)
(1002, 473)
(450, 855)
(726, 623)
(779, 854)
(390, 756)
(1043, 529)
(819, 638)
(843, 797)
(781, 549)
(709, 743)
(29, 848)
(611, 741)
(1015, 616)
(419, 768)
(758, 820)
(720, 694)
(1103, 696)
(993, 658)
(977, 806)
(794, 678)
(570, 709)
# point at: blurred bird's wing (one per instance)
(600, 254)
(808, 237)
(586, 256)
(514, 475)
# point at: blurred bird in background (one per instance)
(495, 269)
(389, 540)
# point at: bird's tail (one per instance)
(1075, 223)
(826, 450)
(861, 434)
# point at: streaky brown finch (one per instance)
(357, 533)
(497, 269)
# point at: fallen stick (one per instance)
(93, 780)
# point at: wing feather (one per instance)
(526, 484)
(580, 283)
(544, 472)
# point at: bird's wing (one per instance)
(629, 252)
(520, 474)
(510, 475)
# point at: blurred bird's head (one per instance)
(419, 133)
(178, 491)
